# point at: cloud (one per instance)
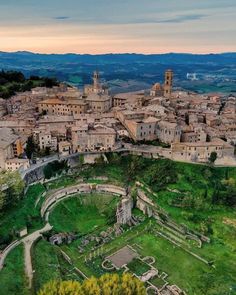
(174, 20)
(144, 20)
(183, 18)
(61, 17)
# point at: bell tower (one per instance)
(168, 83)
(96, 78)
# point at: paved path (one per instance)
(139, 148)
(46, 160)
(6, 251)
(28, 242)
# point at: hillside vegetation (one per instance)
(13, 81)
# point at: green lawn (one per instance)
(188, 272)
(84, 213)
(45, 262)
(183, 269)
(12, 276)
(50, 265)
(138, 267)
(158, 282)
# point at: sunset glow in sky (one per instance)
(104, 26)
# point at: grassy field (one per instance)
(46, 265)
(138, 267)
(12, 276)
(84, 213)
(183, 269)
(24, 214)
(50, 265)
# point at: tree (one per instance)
(11, 188)
(213, 157)
(160, 173)
(54, 168)
(50, 82)
(108, 284)
(100, 160)
(30, 147)
(135, 166)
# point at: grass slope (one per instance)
(12, 276)
(24, 214)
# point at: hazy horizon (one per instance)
(118, 53)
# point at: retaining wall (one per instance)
(81, 188)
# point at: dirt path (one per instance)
(6, 251)
(28, 242)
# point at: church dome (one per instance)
(157, 87)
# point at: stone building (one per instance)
(201, 151)
(144, 129)
(16, 163)
(97, 95)
(168, 83)
(56, 123)
(99, 102)
(168, 132)
(22, 125)
(194, 136)
(133, 99)
(165, 90)
(157, 90)
(93, 138)
(64, 148)
(140, 125)
(62, 107)
(11, 146)
(44, 139)
(97, 87)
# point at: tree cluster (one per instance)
(11, 188)
(54, 168)
(224, 193)
(108, 284)
(14, 81)
(156, 173)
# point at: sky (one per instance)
(118, 26)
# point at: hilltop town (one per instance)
(160, 122)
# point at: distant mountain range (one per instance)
(172, 58)
(123, 72)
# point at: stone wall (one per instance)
(145, 204)
(82, 188)
(34, 175)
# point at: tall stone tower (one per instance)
(96, 80)
(168, 83)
